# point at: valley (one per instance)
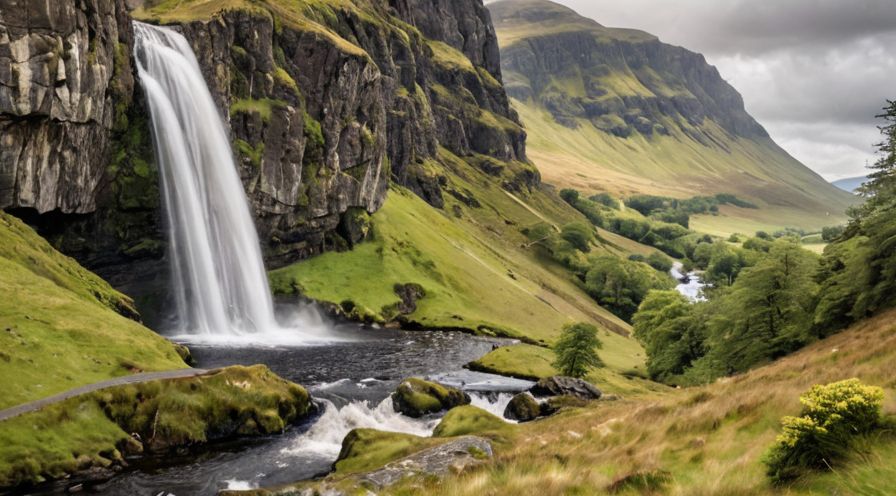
(421, 247)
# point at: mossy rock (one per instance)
(469, 419)
(522, 408)
(417, 397)
(369, 449)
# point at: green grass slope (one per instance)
(707, 440)
(470, 260)
(60, 325)
(639, 116)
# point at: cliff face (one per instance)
(326, 104)
(623, 81)
(64, 66)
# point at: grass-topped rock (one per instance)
(95, 432)
(417, 397)
(468, 419)
(522, 408)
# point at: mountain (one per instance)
(850, 184)
(617, 110)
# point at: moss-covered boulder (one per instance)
(522, 408)
(364, 450)
(416, 397)
(469, 419)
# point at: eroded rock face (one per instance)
(64, 65)
(322, 114)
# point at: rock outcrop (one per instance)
(623, 81)
(417, 397)
(522, 408)
(326, 106)
(454, 457)
(64, 68)
(565, 386)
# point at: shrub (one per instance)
(606, 200)
(833, 415)
(576, 350)
(578, 235)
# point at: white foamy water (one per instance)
(693, 289)
(494, 406)
(325, 436)
(219, 281)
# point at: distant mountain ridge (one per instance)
(850, 184)
(617, 110)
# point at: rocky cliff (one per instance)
(64, 66)
(623, 81)
(617, 110)
(326, 102)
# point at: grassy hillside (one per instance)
(473, 263)
(639, 116)
(61, 326)
(707, 440)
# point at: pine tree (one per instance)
(576, 350)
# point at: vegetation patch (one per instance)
(62, 325)
(468, 419)
(95, 430)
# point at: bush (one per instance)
(576, 350)
(833, 415)
(578, 235)
(606, 200)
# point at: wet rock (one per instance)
(417, 397)
(522, 408)
(453, 457)
(409, 293)
(565, 386)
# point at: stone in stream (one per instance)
(453, 457)
(417, 397)
(522, 408)
(565, 386)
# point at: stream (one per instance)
(350, 378)
(690, 285)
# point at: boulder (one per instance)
(553, 404)
(453, 457)
(417, 397)
(522, 408)
(565, 386)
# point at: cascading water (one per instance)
(219, 277)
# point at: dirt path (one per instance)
(35, 405)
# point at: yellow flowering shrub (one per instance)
(832, 415)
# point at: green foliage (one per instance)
(659, 262)
(673, 333)
(761, 308)
(578, 235)
(264, 107)
(833, 416)
(576, 350)
(606, 200)
(621, 285)
(859, 267)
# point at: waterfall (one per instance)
(219, 281)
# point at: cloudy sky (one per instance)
(813, 72)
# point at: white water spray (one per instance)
(219, 280)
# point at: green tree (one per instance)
(576, 350)
(672, 332)
(621, 285)
(768, 310)
(578, 235)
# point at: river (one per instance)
(350, 378)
